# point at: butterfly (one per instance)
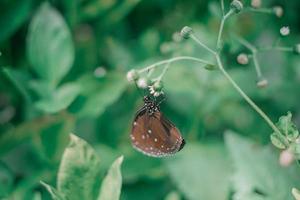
(152, 133)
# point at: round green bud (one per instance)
(186, 32)
(236, 6)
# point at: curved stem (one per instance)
(173, 60)
(245, 96)
(224, 18)
(256, 65)
(195, 38)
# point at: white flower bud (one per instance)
(278, 11)
(262, 82)
(142, 83)
(242, 59)
(256, 3)
(286, 158)
(285, 30)
(132, 75)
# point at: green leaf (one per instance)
(60, 99)
(276, 141)
(100, 93)
(112, 183)
(49, 45)
(78, 171)
(287, 127)
(198, 168)
(56, 195)
(258, 174)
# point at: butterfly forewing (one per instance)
(154, 135)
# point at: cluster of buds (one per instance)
(156, 89)
(142, 82)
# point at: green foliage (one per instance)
(63, 69)
(257, 172)
(78, 172)
(49, 45)
(190, 171)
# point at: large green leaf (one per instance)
(78, 171)
(112, 183)
(60, 99)
(201, 171)
(258, 174)
(49, 45)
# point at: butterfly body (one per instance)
(153, 134)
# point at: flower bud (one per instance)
(242, 59)
(142, 83)
(186, 32)
(296, 49)
(286, 158)
(132, 75)
(262, 82)
(278, 11)
(284, 31)
(236, 6)
(256, 3)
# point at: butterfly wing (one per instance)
(154, 135)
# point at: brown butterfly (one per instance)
(153, 134)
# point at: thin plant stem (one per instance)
(222, 7)
(256, 65)
(224, 18)
(164, 71)
(254, 52)
(276, 48)
(195, 38)
(174, 60)
(246, 97)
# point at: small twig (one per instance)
(224, 18)
(222, 7)
(195, 38)
(173, 60)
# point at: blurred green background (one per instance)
(63, 69)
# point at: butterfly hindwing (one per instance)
(154, 135)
